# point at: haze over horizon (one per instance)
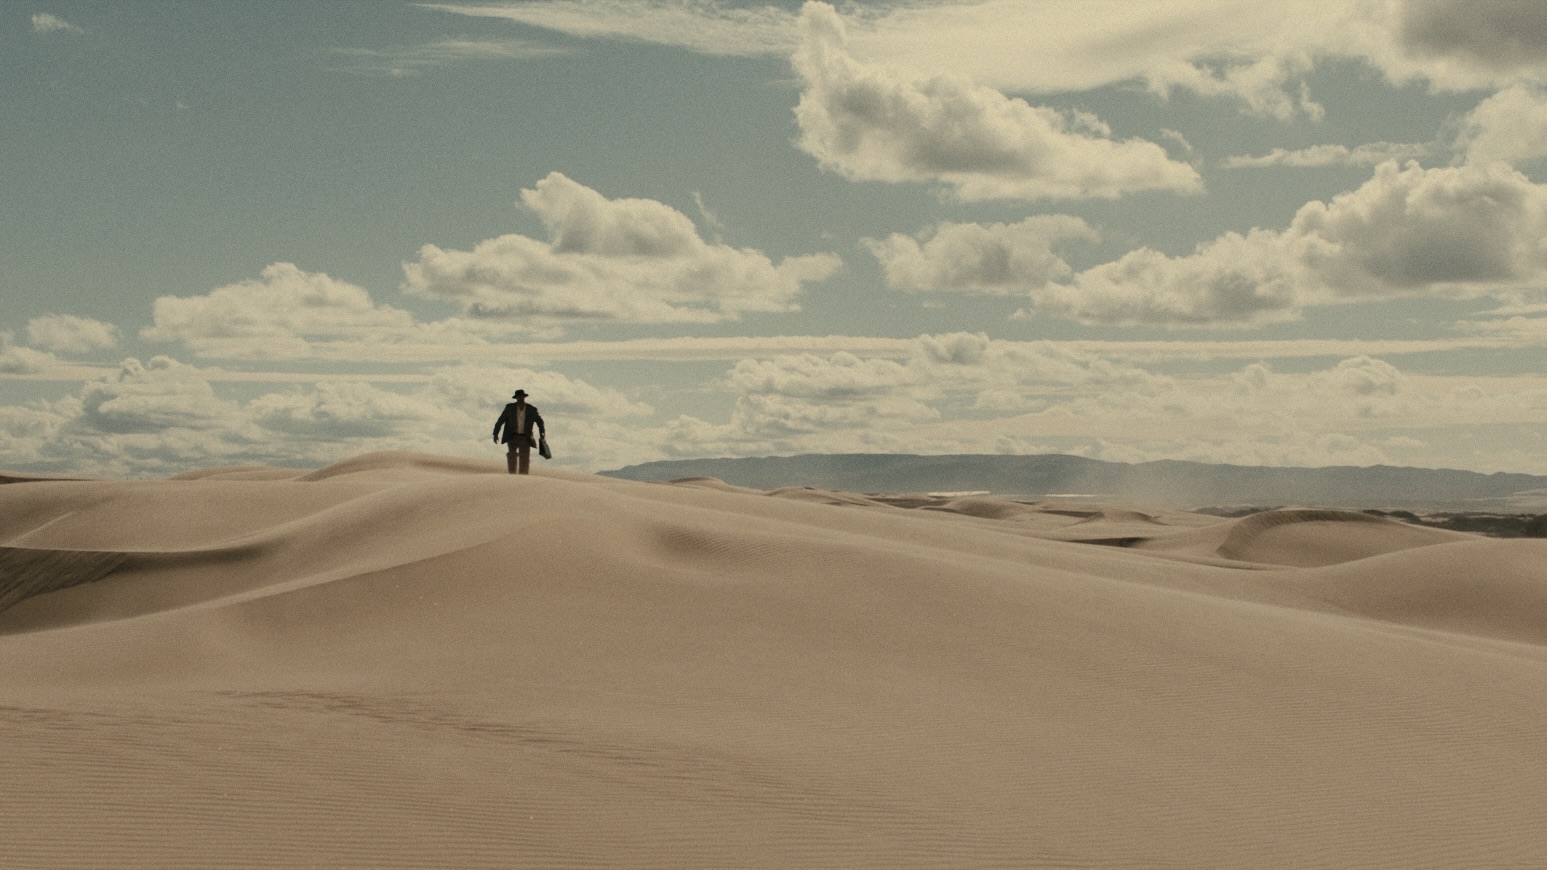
(1203, 230)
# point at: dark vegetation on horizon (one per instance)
(1495, 525)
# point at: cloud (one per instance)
(1370, 154)
(1510, 126)
(632, 260)
(590, 427)
(1232, 280)
(405, 61)
(24, 360)
(1017, 45)
(967, 393)
(25, 433)
(1520, 328)
(841, 376)
(1481, 228)
(554, 392)
(957, 392)
(873, 123)
(341, 410)
(706, 28)
(811, 403)
(43, 22)
(848, 403)
(272, 318)
(66, 333)
(153, 397)
(1256, 54)
(732, 348)
(163, 416)
(977, 258)
(1407, 231)
(1362, 379)
(1477, 40)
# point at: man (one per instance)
(517, 420)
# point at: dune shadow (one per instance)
(28, 571)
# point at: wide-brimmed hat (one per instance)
(518, 394)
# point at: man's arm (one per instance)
(497, 424)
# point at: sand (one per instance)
(413, 661)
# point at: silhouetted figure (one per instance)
(517, 420)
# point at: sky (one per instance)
(1288, 234)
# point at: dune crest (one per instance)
(240, 472)
(395, 460)
(1491, 589)
(410, 661)
(1311, 538)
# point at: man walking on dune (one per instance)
(517, 420)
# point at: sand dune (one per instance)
(407, 661)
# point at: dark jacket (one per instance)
(507, 421)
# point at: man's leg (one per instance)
(510, 459)
(526, 459)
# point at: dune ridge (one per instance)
(410, 661)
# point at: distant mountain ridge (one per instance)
(1166, 482)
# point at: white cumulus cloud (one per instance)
(66, 333)
(1510, 126)
(874, 123)
(624, 260)
(1407, 231)
(152, 397)
(978, 258)
(15, 360)
(1233, 279)
(273, 317)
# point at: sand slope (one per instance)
(409, 661)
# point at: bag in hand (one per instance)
(542, 448)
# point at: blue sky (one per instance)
(291, 233)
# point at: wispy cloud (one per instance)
(43, 22)
(1371, 154)
(706, 28)
(1256, 54)
(413, 60)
